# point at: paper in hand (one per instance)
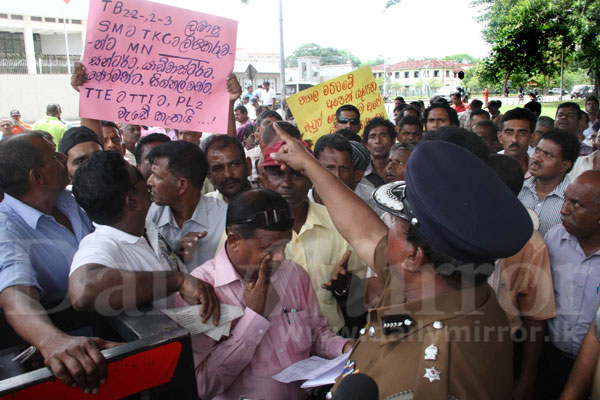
(189, 318)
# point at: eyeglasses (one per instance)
(353, 121)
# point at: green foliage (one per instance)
(377, 61)
(328, 55)
(462, 58)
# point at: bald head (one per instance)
(580, 212)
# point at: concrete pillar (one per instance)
(29, 47)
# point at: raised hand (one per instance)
(188, 245)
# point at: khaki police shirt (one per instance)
(471, 357)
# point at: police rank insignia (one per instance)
(432, 374)
(431, 353)
(400, 323)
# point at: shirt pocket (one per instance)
(299, 331)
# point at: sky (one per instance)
(411, 29)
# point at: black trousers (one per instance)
(553, 372)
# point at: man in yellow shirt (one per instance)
(51, 124)
(316, 244)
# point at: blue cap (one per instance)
(458, 204)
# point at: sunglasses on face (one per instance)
(353, 121)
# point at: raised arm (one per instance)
(352, 216)
(73, 360)
(235, 91)
(104, 290)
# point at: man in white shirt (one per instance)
(267, 96)
(125, 262)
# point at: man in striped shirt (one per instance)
(544, 192)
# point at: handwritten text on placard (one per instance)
(314, 108)
(157, 65)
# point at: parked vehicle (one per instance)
(556, 91)
(581, 91)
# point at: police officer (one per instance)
(437, 331)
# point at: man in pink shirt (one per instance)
(282, 322)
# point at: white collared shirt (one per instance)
(208, 216)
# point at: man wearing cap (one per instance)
(316, 245)
(78, 144)
(42, 226)
(51, 123)
(18, 125)
(437, 332)
(281, 324)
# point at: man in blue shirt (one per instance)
(574, 249)
(41, 226)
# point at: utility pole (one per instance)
(281, 55)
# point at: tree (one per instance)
(377, 61)
(328, 55)
(587, 37)
(462, 58)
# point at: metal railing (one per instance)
(45, 64)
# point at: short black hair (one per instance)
(221, 141)
(509, 170)
(399, 98)
(534, 107)
(592, 97)
(545, 121)
(101, 184)
(241, 109)
(379, 121)
(349, 134)
(519, 113)
(570, 104)
(463, 138)
(333, 141)
(52, 109)
(249, 203)
(477, 103)
(269, 136)
(346, 107)
(487, 123)
(17, 157)
(401, 107)
(185, 160)
(151, 138)
(266, 114)
(452, 115)
(569, 144)
(110, 124)
(479, 112)
(410, 120)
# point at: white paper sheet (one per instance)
(309, 368)
(189, 317)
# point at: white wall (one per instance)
(31, 93)
(55, 43)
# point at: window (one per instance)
(397, 75)
(436, 73)
(416, 74)
(447, 74)
(407, 74)
(76, 21)
(455, 75)
(13, 43)
(49, 19)
(38, 19)
(19, 17)
(4, 16)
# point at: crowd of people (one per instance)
(452, 251)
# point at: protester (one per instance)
(439, 114)
(113, 141)
(516, 128)
(38, 210)
(347, 116)
(378, 137)
(78, 144)
(282, 323)
(397, 160)
(190, 222)
(51, 122)
(18, 125)
(143, 148)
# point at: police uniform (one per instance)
(456, 345)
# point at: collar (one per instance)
(116, 234)
(559, 190)
(200, 215)
(447, 306)
(31, 215)
(315, 216)
(49, 118)
(226, 271)
(574, 243)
